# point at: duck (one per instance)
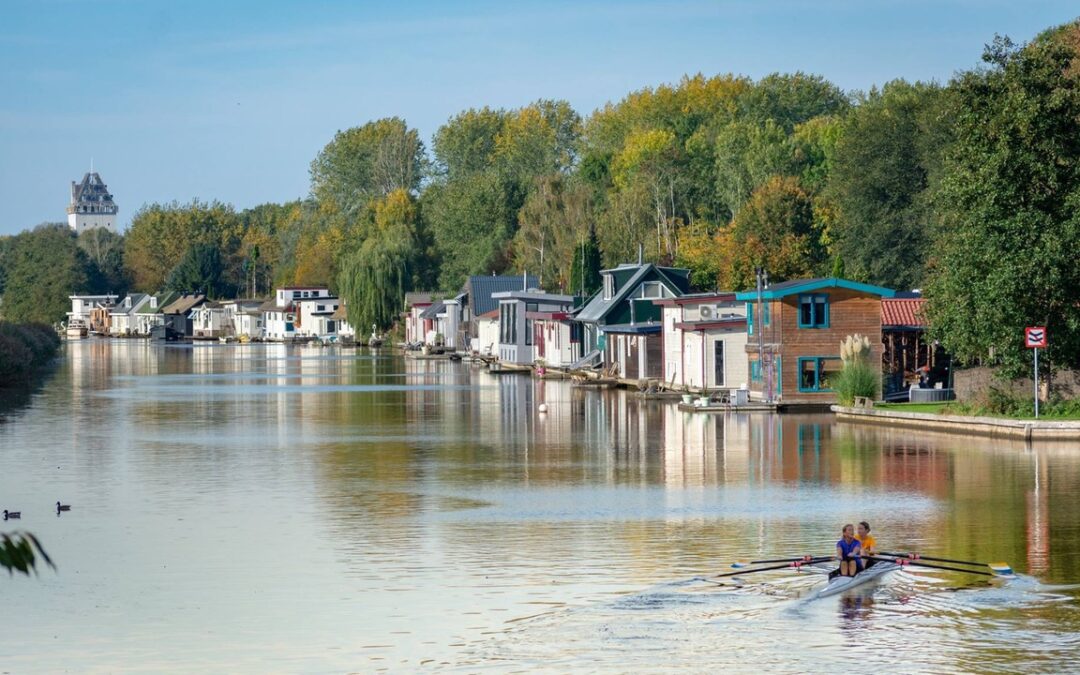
(12, 515)
(62, 507)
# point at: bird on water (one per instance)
(62, 507)
(12, 515)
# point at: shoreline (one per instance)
(993, 427)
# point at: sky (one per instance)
(231, 100)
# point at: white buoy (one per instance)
(542, 408)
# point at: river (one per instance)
(263, 508)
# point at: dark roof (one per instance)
(480, 290)
(184, 304)
(785, 288)
(92, 190)
(433, 310)
(597, 308)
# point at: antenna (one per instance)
(91, 165)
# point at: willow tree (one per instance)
(374, 277)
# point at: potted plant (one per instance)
(703, 399)
(687, 397)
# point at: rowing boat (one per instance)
(838, 584)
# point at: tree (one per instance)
(104, 251)
(375, 277)
(585, 270)
(366, 162)
(470, 220)
(553, 221)
(161, 235)
(200, 270)
(774, 230)
(880, 180)
(44, 266)
(1006, 254)
(466, 143)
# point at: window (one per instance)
(755, 371)
(718, 363)
(814, 310)
(532, 307)
(320, 308)
(296, 294)
(652, 289)
(528, 331)
(815, 372)
(609, 286)
(766, 309)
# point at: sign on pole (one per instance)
(1035, 338)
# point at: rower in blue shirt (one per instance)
(849, 551)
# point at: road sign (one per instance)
(1035, 337)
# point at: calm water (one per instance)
(261, 508)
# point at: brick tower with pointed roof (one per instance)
(91, 205)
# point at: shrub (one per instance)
(24, 347)
(856, 378)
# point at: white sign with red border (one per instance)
(1035, 337)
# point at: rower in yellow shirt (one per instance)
(866, 541)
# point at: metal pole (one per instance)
(760, 328)
(1036, 383)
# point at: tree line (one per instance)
(967, 190)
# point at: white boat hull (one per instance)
(838, 585)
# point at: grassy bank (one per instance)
(1051, 410)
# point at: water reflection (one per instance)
(425, 511)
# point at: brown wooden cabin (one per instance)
(802, 324)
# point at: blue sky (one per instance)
(231, 100)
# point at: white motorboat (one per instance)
(838, 584)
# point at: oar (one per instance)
(795, 564)
(999, 567)
(907, 561)
(801, 558)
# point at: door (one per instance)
(718, 364)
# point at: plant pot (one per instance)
(688, 399)
(703, 401)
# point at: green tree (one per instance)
(366, 162)
(160, 236)
(105, 254)
(553, 221)
(44, 266)
(470, 220)
(375, 277)
(465, 145)
(585, 270)
(880, 182)
(200, 270)
(1006, 255)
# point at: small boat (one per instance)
(77, 328)
(838, 584)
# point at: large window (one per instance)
(814, 310)
(816, 372)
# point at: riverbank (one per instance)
(936, 417)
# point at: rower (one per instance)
(848, 550)
(867, 543)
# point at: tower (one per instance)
(91, 205)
